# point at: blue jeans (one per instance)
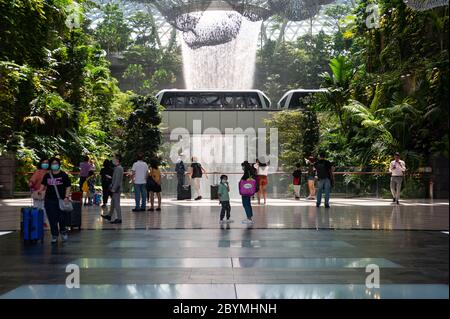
(140, 191)
(323, 185)
(246, 202)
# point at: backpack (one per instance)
(196, 170)
(247, 187)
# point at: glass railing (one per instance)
(347, 184)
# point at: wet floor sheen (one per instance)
(229, 291)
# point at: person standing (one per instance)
(35, 183)
(297, 178)
(324, 170)
(262, 170)
(311, 177)
(249, 172)
(89, 188)
(224, 199)
(154, 185)
(56, 185)
(106, 178)
(196, 172)
(397, 168)
(139, 176)
(116, 191)
(85, 167)
(181, 171)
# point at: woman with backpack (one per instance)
(247, 188)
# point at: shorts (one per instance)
(262, 180)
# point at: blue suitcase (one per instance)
(33, 224)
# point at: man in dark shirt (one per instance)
(324, 170)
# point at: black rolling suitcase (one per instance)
(74, 217)
(214, 188)
(184, 192)
(214, 191)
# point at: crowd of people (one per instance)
(51, 186)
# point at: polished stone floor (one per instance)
(278, 213)
(293, 251)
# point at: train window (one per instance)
(191, 101)
(213, 100)
(253, 101)
(266, 100)
(299, 100)
(210, 100)
(228, 101)
(283, 101)
(180, 101)
(168, 101)
(240, 101)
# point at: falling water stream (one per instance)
(225, 66)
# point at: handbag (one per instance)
(63, 205)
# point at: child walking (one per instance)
(224, 198)
(89, 188)
(297, 174)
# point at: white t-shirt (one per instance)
(263, 170)
(397, 168)
(140, 169)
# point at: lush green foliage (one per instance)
(387, 86)
(298, 135)
(142, 133)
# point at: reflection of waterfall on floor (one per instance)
(226, 66)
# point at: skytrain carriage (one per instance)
(213, 99)
(297, 99)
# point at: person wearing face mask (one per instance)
(36, 182)
(116, 190)
(181, 171)
(56, 184)
(249, 173)
(224, 198)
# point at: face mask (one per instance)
(44, 166)
(55, 167)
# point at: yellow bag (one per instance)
(85, 187)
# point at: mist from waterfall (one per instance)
(225, 66)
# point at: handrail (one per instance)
(273, 173)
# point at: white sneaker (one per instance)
(64, 237)
(54, 239)
(221, 221)
(230, 221)
(248, 221)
